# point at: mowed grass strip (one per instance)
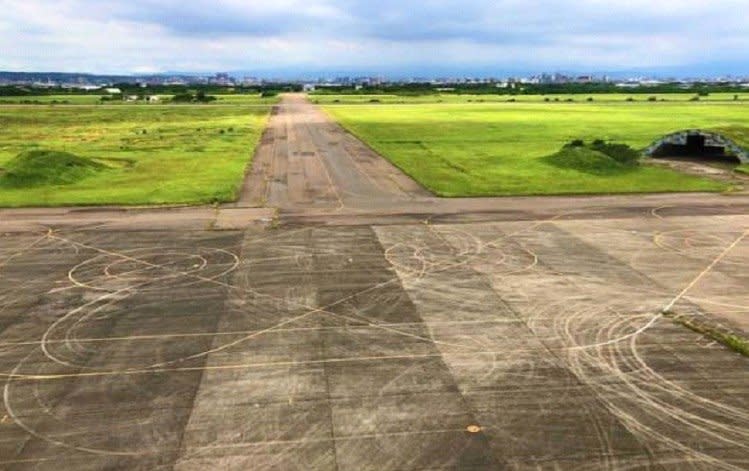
(502, 149)
(153, 155)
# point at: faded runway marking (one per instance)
(522, 330)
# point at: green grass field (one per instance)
(447, 98)
(228, 99)
(152, 154)
(503, 149)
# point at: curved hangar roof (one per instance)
(712, 139)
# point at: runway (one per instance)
(306, 160)
(380, 329)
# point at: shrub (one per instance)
(182, 98)
(200, 97)
(652, 98)
(590, 98)
(575, 143)
(622, 153)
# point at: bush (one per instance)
(652, 98)
(590, 98)
(576, 143)
(630, 99)
(695, 98)
(200, 97)
(622, 153)
(183, 98)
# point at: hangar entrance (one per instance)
(697, 146)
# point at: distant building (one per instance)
(222, 79)
(309, 87)
(114, 91)
(651, 83)
(153, 99)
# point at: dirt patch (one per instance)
(719, 171)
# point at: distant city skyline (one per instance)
(395, 39)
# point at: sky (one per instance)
(299, 38)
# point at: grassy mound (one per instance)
(46, 167)
(622, 153)
(598, 158)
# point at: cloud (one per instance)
(386, 35)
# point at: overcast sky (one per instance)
(374, 36)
